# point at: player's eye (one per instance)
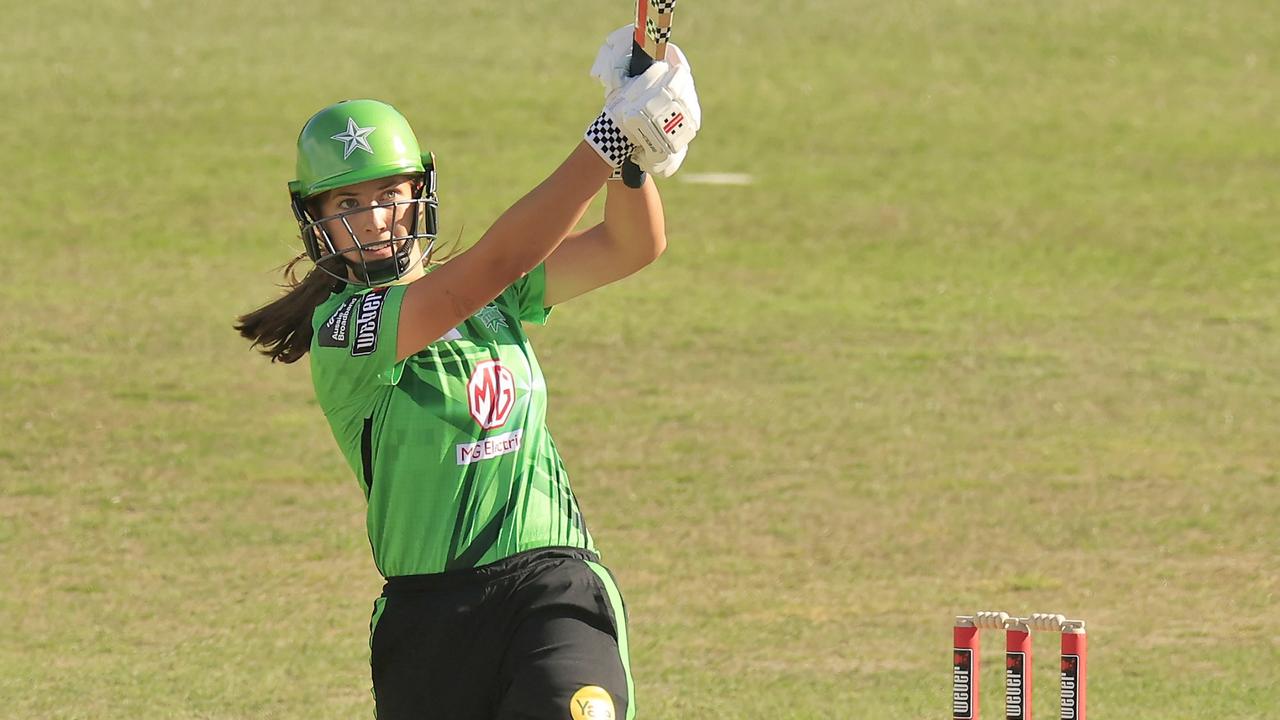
(346, 203)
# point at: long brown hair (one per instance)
(281, 329)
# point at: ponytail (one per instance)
(281, 329)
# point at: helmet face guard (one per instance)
(357, 263)
(351, 142)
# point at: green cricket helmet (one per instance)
(350, 142)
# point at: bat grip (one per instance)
(632, 175)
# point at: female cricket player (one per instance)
(495, 604)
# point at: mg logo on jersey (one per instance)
(491, 393)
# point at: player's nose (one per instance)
(379, 218)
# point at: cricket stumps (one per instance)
(966, 663)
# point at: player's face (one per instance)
(369, 217)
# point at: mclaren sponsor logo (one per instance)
(333, 333)
(367, 322)
(489, 447)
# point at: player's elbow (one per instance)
(637, 248)
(645, 253)
(657, 246)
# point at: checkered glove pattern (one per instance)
(606, 138)
(663, 6)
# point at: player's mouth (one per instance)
(377, 250)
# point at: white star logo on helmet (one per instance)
(354, 137)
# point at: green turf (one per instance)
(994, 328)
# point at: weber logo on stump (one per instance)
(962, 684)
(367, 321)
(1070, 687)
(1015, 686)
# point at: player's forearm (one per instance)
(635, 223)
(533, 227)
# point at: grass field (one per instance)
(995, 327)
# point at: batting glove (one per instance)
(650, 118)
(658, 110)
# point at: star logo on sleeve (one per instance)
(354, 137)
(492, 317)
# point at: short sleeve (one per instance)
(353, 346)
(526, 297)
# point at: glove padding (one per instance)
(613, 59)
(659, 165)
(663, 166)
(658, 110)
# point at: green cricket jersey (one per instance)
(450, 445)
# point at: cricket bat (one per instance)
(648, 44)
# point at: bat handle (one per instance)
(632, 175)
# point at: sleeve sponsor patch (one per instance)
(367, 322)
(335, 331)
